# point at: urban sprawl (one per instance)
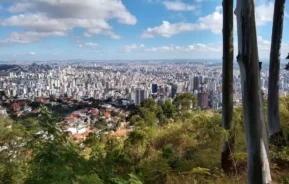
(132, 81)
(117, 85)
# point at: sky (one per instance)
(32, 30)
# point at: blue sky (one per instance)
(127, 29)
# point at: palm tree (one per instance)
(255, 129)
(227, 110)
(275, 131)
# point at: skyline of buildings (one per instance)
(131, 81)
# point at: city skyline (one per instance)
(123, 30)
(115, 81)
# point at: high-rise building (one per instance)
(212, 86)
(154, 88)
(137, 96)
(196, 83)
(168, 91)
(203, 100)
(107, 85)
(143, 95)
(191, 82)
(140, 95)
(174, 90)
(161, 89)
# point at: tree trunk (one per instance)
(255, 129)
(227, 109)
(275, 131)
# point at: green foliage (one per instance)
(165, 147)
(100, 123)
(31, 125)
(91, 179)
(35, 105)
(150, 104)
(168, 151)
(56, 159)
(148, 112)
(284, 116)
(133, 179)
(185, 100)
(200, 170)
(12, 159)
(148, 116)
(169, 108)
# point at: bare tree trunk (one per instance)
(275, 131)
(227, 109)
(255, 129)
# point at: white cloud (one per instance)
(212, 22)
(49, 16)
(37, 22)
(215, 49)
(168, 30)
(29, 36)
(264, 47)
(32, 53)
(264, 13)
(1, 7)
(129, 48)
(178, 5)
(190, 48)
(263, 44)
(87, 44)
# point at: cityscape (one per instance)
(144, 92)
(94, 97)
(131, 82)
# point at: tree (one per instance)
(169, 109)
(150, 104)
(275, 131)
(12, 156)
(147, 115)
(31, 125)
(255, 129)
(227, 110)
(54, 158)
(135, 145)
(35, 105)
(185, 100)
(149, 111)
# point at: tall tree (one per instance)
(185, 100)
(255, 129)
(169, 109)
(54, 158)
(227, 110)
(275, 131)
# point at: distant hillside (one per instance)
(5, 67)
(25, 68)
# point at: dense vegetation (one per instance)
(168, 145)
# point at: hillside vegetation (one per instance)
(166, 146)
